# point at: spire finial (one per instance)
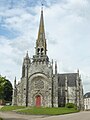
(15, 82)
(78, 71)
(55, 67)
(27, 54)
(15, 77)
(42, 5)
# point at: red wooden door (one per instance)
(38, 101)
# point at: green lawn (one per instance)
(39, 111)
(10, 108)
(47, 111)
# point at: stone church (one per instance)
(41, 84)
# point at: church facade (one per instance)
(43, 86)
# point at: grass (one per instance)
(47, 111)
(10, 108)
(39, 111)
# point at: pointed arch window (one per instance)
(42, 51)
(38, 51)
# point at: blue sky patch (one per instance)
(10, 34)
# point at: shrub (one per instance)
(70, 105)
(1, 119)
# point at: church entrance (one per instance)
(38, 101)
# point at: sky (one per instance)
(67, 29)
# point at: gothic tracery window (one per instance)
(39, 84)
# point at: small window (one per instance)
(38, 51)
(42, 51)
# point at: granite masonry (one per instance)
(41, 85)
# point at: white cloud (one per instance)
(67, 26)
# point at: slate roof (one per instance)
(87, 95)
(71, 78)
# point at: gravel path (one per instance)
(85, 115)
(16, 116)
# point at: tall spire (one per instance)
(41, 41)
(41, 46)
(41, 31)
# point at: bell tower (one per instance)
(41, 46)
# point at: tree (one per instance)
(5, 89)
(2, 82)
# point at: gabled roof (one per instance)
(71, 79)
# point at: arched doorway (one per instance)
(38, 101)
